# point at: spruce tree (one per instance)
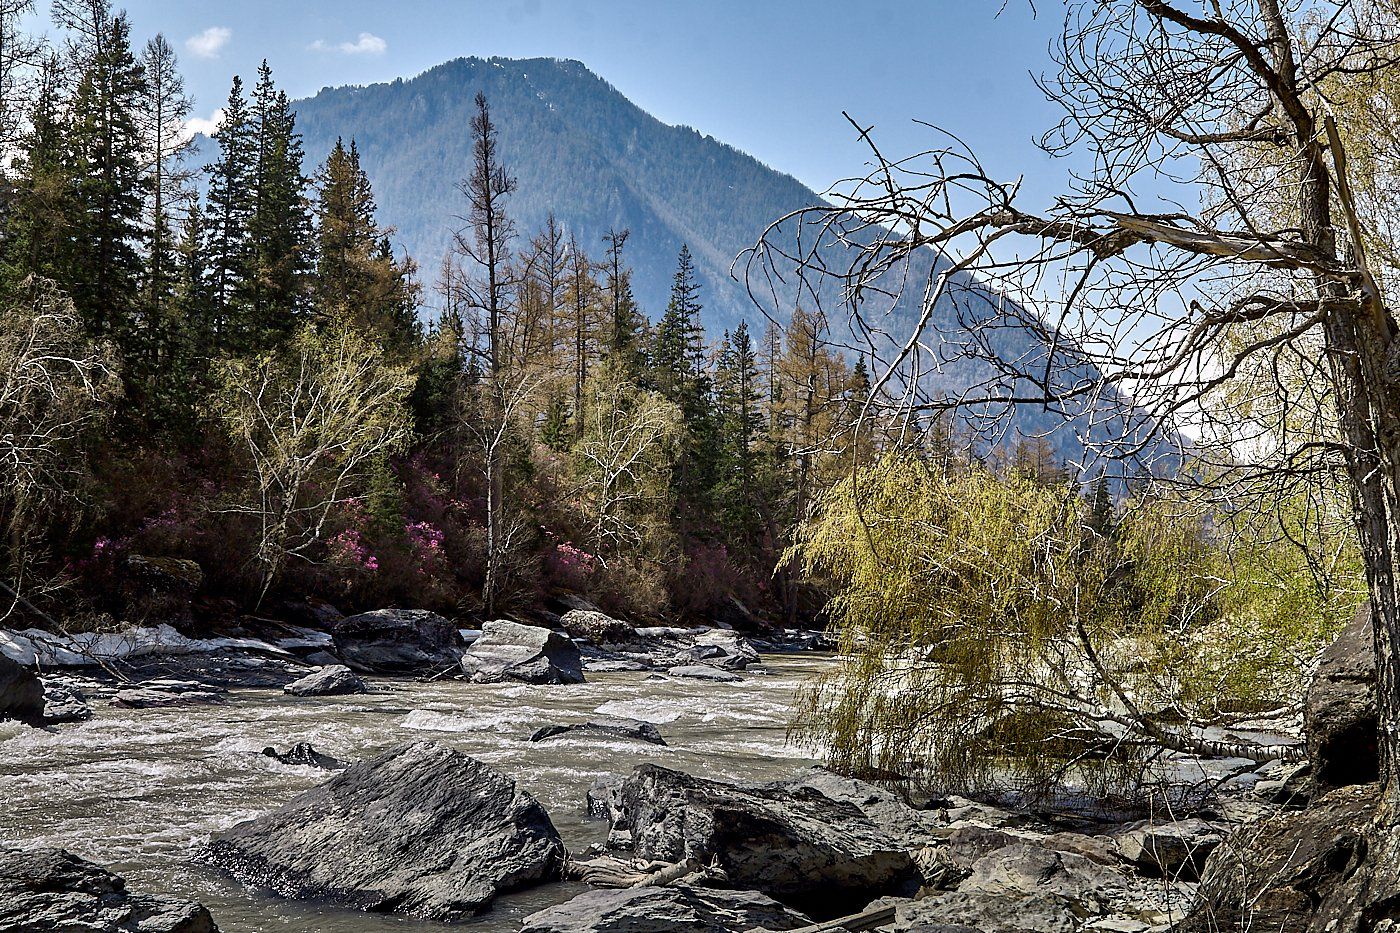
(741, 422)
(280, 225)
(229, 218)
(38, 237)
(626, 329)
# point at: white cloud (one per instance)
(208, 127)
(367, 44)
(210, 42)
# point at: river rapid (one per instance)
(140, 791)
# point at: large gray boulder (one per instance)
(786, 839)
(397, 641)
(527, 653)
(421, 830)
(21, 693)
(331, 680)
(678, 907)
(1340, 713)
(50, 889)
(720, 648)
(1176, 849)
(63, 704)
(596, 626)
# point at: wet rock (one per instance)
(719, 648)
(304, 753)
(329, 681)
(50, 889)
(614, 666)
(322, 658)
(595, 626)
(678, 907)
(396, 641)
(911, 826)
(604, 799)
(154, 694)
(64, 705)
(787, 840)
(703, 672)
(512, 651)
(1177, 849)
(21, 693)
(1340, 712)
(421, 830)
(612, 728)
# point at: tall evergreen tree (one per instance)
(740, 403)
(39, 228)
(164, 108)
(106, 145)
(626, 327)
(582, 298)
(229, 218)
(357, 276)
(280, 225)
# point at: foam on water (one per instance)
(141, 790)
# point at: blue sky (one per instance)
(770, 78)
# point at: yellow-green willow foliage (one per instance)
(988, 636)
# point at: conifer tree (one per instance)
(280, 224)
(106, 145)
(357, 276)
(740, 400)
(626, 328)
(164, 108)
(581, 298)
(39, 238)
(229, 218)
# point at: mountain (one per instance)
(578, 147)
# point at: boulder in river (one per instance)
(788, 840)
(397, 641)
(304, 753)
(163, 692)
(596, 626)
(721, 648)
(421, 830)
(703, 672)
(512, 651)
(63, 704)
(1340, 713)
(21, 693)
(331, 680)
(50, 889)
(612, 728)
(675, 907)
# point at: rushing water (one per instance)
(139, 791)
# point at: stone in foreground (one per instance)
(788, 840)
(397, 641)
(677, 907)
(422, 830)
(611, 728)
(527, 653)
(50, 889)
(330, 681)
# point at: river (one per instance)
(139, 791)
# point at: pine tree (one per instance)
(280, 225)
(581, 298)
(164, 108)
(740, 402)
(39, 235)
(357, 276)
(229, 219)
(106, 145)
(626, 329)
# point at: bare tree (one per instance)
(55, 385)
(491, 231)
(1122, 310)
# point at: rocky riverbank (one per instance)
(446, 829)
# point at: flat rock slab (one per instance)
(63, 704)
(703, 672)
(676, 907)
(50, 889)
(332, 680)
(421, 830)
(160, 693)
(612, 728)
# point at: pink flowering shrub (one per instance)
(569, 566)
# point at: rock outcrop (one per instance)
(611, 728)
(63, 704)
(167, 692)
(397, 641)
(1340, 714)
(50, 889)
(785, 839)
(676, 907)
(328, 681)
(21, 693)
(421, 830)
(527, 653)
(1176, 849)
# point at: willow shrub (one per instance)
(989, 637)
